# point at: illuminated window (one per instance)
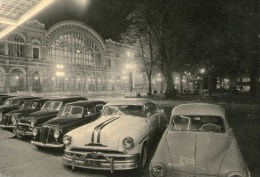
(16, 46)
(36, 53)
(2, 48)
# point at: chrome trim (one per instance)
(23, 133)
(47, 144)
(108, 163)
(7, 126)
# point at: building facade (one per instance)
(68, 57)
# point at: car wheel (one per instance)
(144, 156)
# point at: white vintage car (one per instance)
(198, 143)
(118, 139)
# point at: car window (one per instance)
(76, 111)
(52, 105)
(91, 110)
(150, 108)
(15, 102)
(198, 123)
(99, 108)
(133, 110)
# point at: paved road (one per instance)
(19, 158)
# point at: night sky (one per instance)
(107, 17)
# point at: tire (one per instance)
(144, 157)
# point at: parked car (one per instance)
(118, 140)
(198, 142)
(27, 107)
(11, 104)
(71, 116)
(48, 111)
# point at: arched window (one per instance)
(16, 46)
(36, 50)
(74, 48)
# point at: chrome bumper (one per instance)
(23, 133)
(108, 162)
(47, 144)
(7, 126)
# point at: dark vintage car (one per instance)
(11, 104)
(27, 107)
(49, 111)
(71, 116)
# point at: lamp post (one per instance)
(200, 79)
(17, 80)
(130, 67)
(60, 73)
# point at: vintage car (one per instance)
(198, 142)
(118, 140)
(71, 116)
(27, 107)
(48, 111)
(11, 104)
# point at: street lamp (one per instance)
(17, 79)
(60, 73)
(130, 67)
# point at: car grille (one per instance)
(98, 153)
(45, 133)
(24, 127)
(7, 120)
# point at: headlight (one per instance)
(14, 120)
(128, 143)
(66, 140)
(33, 122)
(159, 170)
(234, 174)
(56, 134)
(34, 132)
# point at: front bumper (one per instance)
(47, 144)
(7, 126)
(23, 133)
(102, 161)
(23, 129)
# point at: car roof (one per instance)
(132, 101)
(38, 99)
(24, 97)
(86, 102)
(198, 109)
(67, 98)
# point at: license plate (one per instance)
(92, 163)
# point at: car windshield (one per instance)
(133, 110)
(76, 111)
(52, 105)
(8, 102)
(198, 123)
(15, 102)
(29, 105)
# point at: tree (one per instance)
(142, 38)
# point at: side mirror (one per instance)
(148, 115)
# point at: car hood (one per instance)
(197, 152)
(62, 121)
(21, 112)
(7, 108)
(43, 113)
(108, 131)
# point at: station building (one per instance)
(68, 57)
